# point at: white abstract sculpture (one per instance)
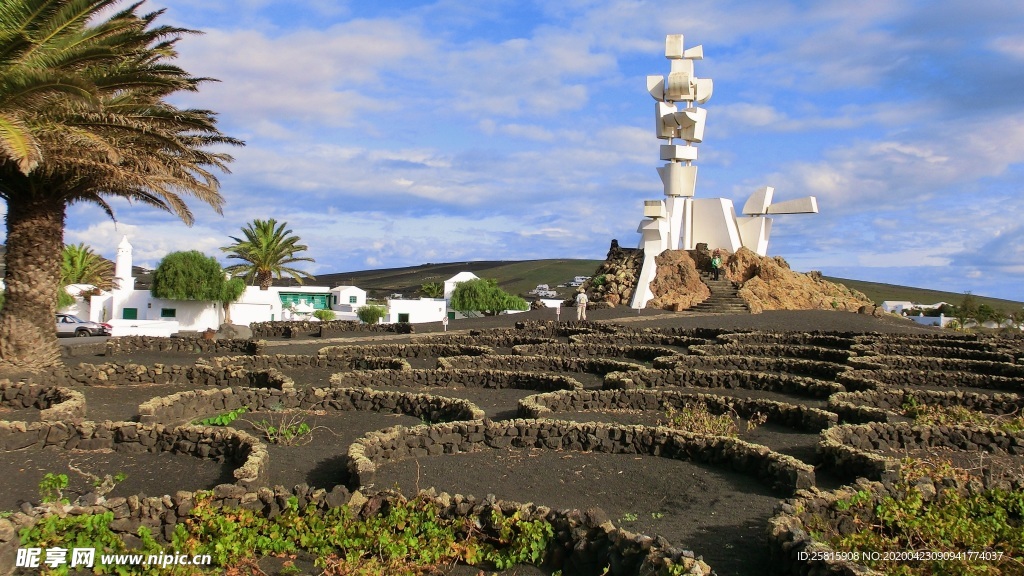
(680, 221)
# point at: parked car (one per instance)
(71, 325)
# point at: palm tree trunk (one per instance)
(35, 238)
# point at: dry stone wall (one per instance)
(781, 365)
(879, 404)
(425, 350)
(927, 364)
(781, 472)
(197, 404)
(129, 344)
(794, 416)
(904, 349)
(454, 378)
(819, 353)
(54, 403)
(839, 341)
(852, 449)
(518, 363)
(870, 379)
(650, 378)
(228, 444)
(589, 350)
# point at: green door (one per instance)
(130, 313)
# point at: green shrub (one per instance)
(371, 313)
(324, 315)
(224, 419)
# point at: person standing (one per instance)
(716, 264)
(581, 305)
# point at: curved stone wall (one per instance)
(879, 404)
(638, 338)
(929, 364)
(650, 378)
(641, 353)
(781, 472)
(795, 366)
(789, 415)
(116, 373)
(200, 441)
(902, 349)
(53, 402)
(598, 366)
(196, 404)
(299, 361)
(196, 345)
(818, 353)
(497, 338)
(840, 341)
(423, 350)
(870, 379)
(846, 449)
(451, 378)
(296, 328)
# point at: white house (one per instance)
(416, 311)
(137, 312)
(449, 284)
(347, 298)
(901, 306)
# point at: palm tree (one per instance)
(267, 250)
(83, 118)
(80, 265)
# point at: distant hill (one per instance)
(519, 277)
(516, 277)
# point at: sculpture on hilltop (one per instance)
(680, 221)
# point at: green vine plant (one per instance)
(224, 419)
(696, 417)
(286, 428)
(51, 488)
(987, 522)
(101, 485)
(406, 538)
(934, 415)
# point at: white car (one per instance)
(71, 325)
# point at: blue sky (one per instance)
(397, 133)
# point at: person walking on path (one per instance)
(581, 305)
(716, 264)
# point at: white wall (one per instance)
(420, 310)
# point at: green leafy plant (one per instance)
(697, 418)
(371, 313)
(224, 419)
(934, 415)
(52, 486)
(628, 517)
(324, 315)
(285, 428)
(955, 519)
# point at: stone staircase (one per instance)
(723, 299)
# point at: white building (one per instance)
(137, 312)
(416, 311)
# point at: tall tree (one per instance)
(268, 251)
(80, 265)
(83, 118)
(188, 275)
(484, 296)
